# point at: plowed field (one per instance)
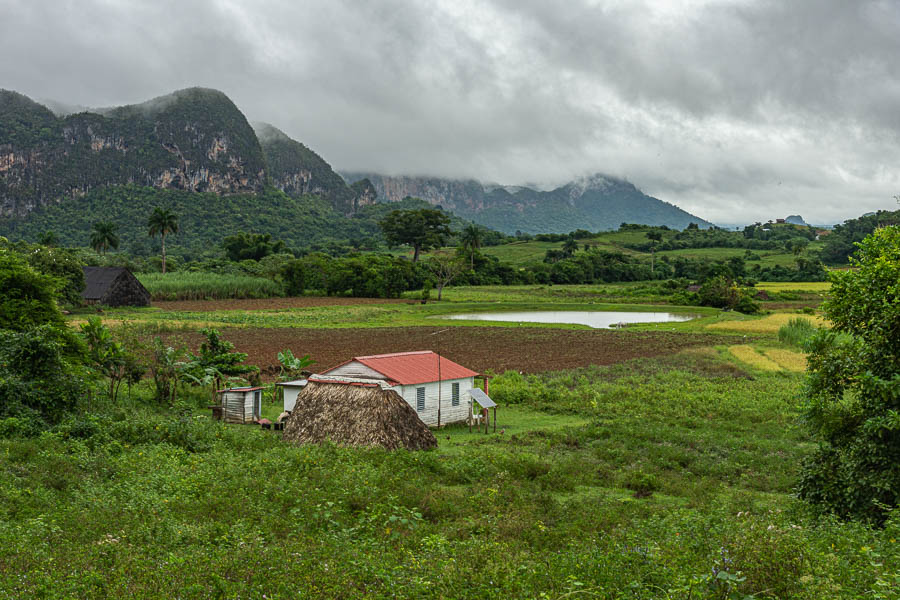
(526, 349)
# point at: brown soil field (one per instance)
(250, 304)
(525, 349)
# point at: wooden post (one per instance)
(486, 417)
(495, 419)
(471, 413)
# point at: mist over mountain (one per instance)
(594, 203)
(197, 141)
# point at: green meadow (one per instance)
(666, 477)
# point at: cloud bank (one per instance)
(735, 110)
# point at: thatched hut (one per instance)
(356, 413)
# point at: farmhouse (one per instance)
(422, 379)
(362, 413)
(113, 286)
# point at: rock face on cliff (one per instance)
(796, 220)
(595, 203)
(194, 139)
(297, 170)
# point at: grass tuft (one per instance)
(796, 331)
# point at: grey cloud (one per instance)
(735, 109)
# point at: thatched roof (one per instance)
(356, 414)
(113, 286)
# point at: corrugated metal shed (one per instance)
(481, 398)
(411, 368)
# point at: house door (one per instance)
(257, 408)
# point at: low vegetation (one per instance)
(672, 472)
(208, 286)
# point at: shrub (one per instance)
(38, 378)
(853, 390)
(797, 331)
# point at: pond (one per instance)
(599, 319)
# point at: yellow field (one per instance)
(748, 355)
(769, 324)
(787, 359)
(166, 324)
(795, 286)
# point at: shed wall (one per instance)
(237, 407)
(290, 396)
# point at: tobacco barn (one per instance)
(113, 286)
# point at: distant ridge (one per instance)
(596, 203)
(196, 140)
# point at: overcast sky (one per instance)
(736, 110)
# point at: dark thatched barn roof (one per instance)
(356, 415)
(113, 286)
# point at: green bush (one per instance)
(853, 391)
(796, 331)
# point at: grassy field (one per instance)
(795, 286)
(204, 286)
(663, 475)
(643, 480)
(522, 253)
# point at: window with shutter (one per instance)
(420, 399)
(455, 395)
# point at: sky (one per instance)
(735, 110)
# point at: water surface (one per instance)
(598, 319)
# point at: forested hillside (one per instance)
(297, 170)
(840, 244)
(307, 222)
(194, 139)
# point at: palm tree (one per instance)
(162, 222)
(470, 241)
(48, 238)
(103, 236)
(570, 247)
(655, 238)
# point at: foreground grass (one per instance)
(642, 480)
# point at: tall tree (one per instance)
(422, 229)
(104, 236)
(470, 240)
(655, 238)
(853, 387)
(444, 267)
(162, 222)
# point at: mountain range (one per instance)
(595, 203)
(197, 141)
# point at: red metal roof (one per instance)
(410, 368)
